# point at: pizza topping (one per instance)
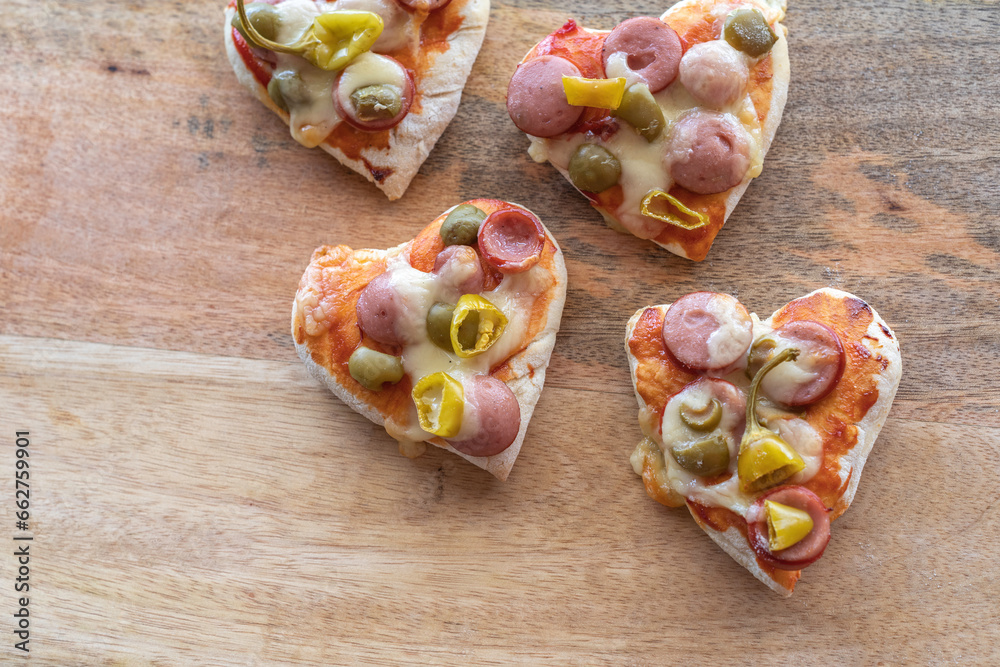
(379, 307)
(263, 17)
(765, 459)
(643, 49)
(494, 411)
(597, 93)
(593, 168)
(396, 33)
(511, 240)
(286, 89)
(372, 369)
(747, 30)
(536, 100)
(706, 458)
(707, 331)
(460, 269)
(440, 401)
(702, 415)
(461, 227)
(424, 5)
(374, 93)
(709, 152)
(785, 525)
(667, 208)
(701, 425)
(476, 324)
(815, 372)
(803, 551)
(640, 109)
(714, 73)
(334, 39)
(439, 325)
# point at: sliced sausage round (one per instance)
(707, 331)
(378, 309)
(714, 73)
(814, 373)
(425, 5)
(708, 152)
(536, 100)
(648, 47)
(802, 553)
(459, 266)
(373, 107)
(497, 413)
(511, 240)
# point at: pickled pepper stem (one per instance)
(788, 354)
(264, 42)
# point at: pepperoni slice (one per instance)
(709, 152)
(498, 414)
(714, 73)
(800, 554)
(536, 100)
(649, 47)
(350, 113)
(816, 371)
(424, 5)
(511, 240)
(707, 331)
(378, 308)
(459, 266)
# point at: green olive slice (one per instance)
(701, 417)
(461, 227)
(371, 368)
(287, 89)
(593, 168)
(439, 325)
(705, 458)
(747, 30)
(263, 17)
(377, 102)
(640, 110)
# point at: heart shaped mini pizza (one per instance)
(443, 339)
(661, 122)
(372, 82)
(761, 428)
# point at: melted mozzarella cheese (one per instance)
(314, 115)
(418, 291)
(798, 433)
(734, 334)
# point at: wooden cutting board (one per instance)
(198, 499)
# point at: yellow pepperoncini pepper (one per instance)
(666, 215)
(786, 525)
(440, 402)
(600, 93)
(765, 459)
(475, 325)
(335, 38)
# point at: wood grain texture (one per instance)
(201, 501)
